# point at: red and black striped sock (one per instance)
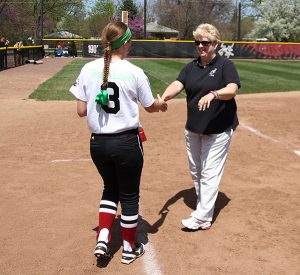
(107, 214)
(129, 226)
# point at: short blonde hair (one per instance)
(207, 30)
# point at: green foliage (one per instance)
(103, 8)
(256, 77)
(56, 13)
(95, 24)
(99, 16)
(130, 6)
(74, 20)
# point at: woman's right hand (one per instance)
(158, 105)
(163, 106)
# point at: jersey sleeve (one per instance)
(144, 92)
(230, 74)
(78, 89)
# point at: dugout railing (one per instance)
(13, 56)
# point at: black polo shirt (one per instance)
(199, 81)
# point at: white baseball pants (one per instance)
(207, 155)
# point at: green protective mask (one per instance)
(102, 98)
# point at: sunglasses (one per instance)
(203, 43)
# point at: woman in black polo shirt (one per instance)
(211, 82)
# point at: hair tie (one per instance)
(102, 98)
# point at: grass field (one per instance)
(256, 77)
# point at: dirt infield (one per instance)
(50, 189)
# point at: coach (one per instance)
(211, 82)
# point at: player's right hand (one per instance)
(163, 105)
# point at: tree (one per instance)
(74, 21)
(151, 15)
(278, 20)
(135, 20)
(105, 8)
(24, 21)
(232, 30)
(54, 10)
(2, 5)
(186, 15)
(130, 6)
(102, 12)
(15, 23)
(247, 26)
(136, 26)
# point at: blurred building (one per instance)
(155, 30)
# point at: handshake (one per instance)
(161, 104)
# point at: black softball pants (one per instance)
(119, 160)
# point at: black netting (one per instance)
(187, 49)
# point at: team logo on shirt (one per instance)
(212, 72)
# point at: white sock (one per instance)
(127, 246)
(103, 235)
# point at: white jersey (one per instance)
(127, 85)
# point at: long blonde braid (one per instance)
(107, 59)
(110, 33)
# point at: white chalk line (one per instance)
(149, 259)
(150, 263)
(67, 160)
(258, 133)
(151, 266)
(297, 152)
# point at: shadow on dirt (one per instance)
(189, 198)
(144, 228)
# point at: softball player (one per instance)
(211, 82)
(108, 91)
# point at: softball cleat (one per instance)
(195, 224)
